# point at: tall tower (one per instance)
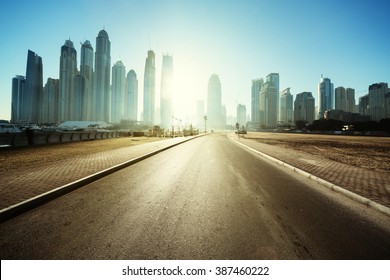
(50, 101)
(255, 100)
(214, 102)
(304, 107)
(286, 107)
(149, 88)
(325, 96)
(166, 91)
(269, 101)
(131, 102)
(86, 71)
(241, 115)
(33, 90)
(18, 84)
(118, 89)
(101, 108)
(68, 68)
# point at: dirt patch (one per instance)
(22, 157)
(366, 152)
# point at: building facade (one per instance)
(33, 90)
(68, 69)
(286, 107)
(86, 71)
(101, 98)
(304, 107)
(255, 101)
(325, 96)
(166, 93)
(376, 101)
(51, 101)
(149, 89)
(269, 101)
(241, 115)
(345, 99)
(131, 101)
(118, 91)
(18, 84)
(214, 103)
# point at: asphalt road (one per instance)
(204, 199)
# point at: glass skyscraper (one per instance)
(166, 91)
(149, 89)
(68, 68)
(101, 98)
(325, 96)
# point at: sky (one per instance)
(346, 41)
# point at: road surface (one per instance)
(205, 199)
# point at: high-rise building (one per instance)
(376, 101)
(18, 84)
(241, 115)
(33, 89)
(344, 99)
(118, 91)
(149, 89)
(340, 98)
(101, 108)
(79, 85)
(86, 70)
(269, 101)
(131, 102)
(214, 103)
(325, 96)
(166, 92)
(364, 105)
(304, 107)
(350, 104)
(68, 68)
(286, 107)
(255, 100)
(50, 101)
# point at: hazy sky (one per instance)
(347, 41)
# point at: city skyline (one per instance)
(243, 41)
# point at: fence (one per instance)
(46, 137)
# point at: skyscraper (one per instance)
(325, 96)
(149, 89)
(304, 107)
(241, 115)
(131, 102)
(286, 107)
(50, 101)
(269, 101)
(101, 108)
(118, 90)
(255, 100)
(33, 90)
(18, 84)
(376, 101)
(166, 91)
(68, 68)
(86, 70)
(214, 102)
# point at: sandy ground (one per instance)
(367, 152)
(22, 157)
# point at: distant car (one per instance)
(242, 131)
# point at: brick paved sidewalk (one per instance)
(370, 184)
(20, 185)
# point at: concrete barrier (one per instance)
(51, 137)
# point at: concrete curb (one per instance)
(29, 204)
(363, 200)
